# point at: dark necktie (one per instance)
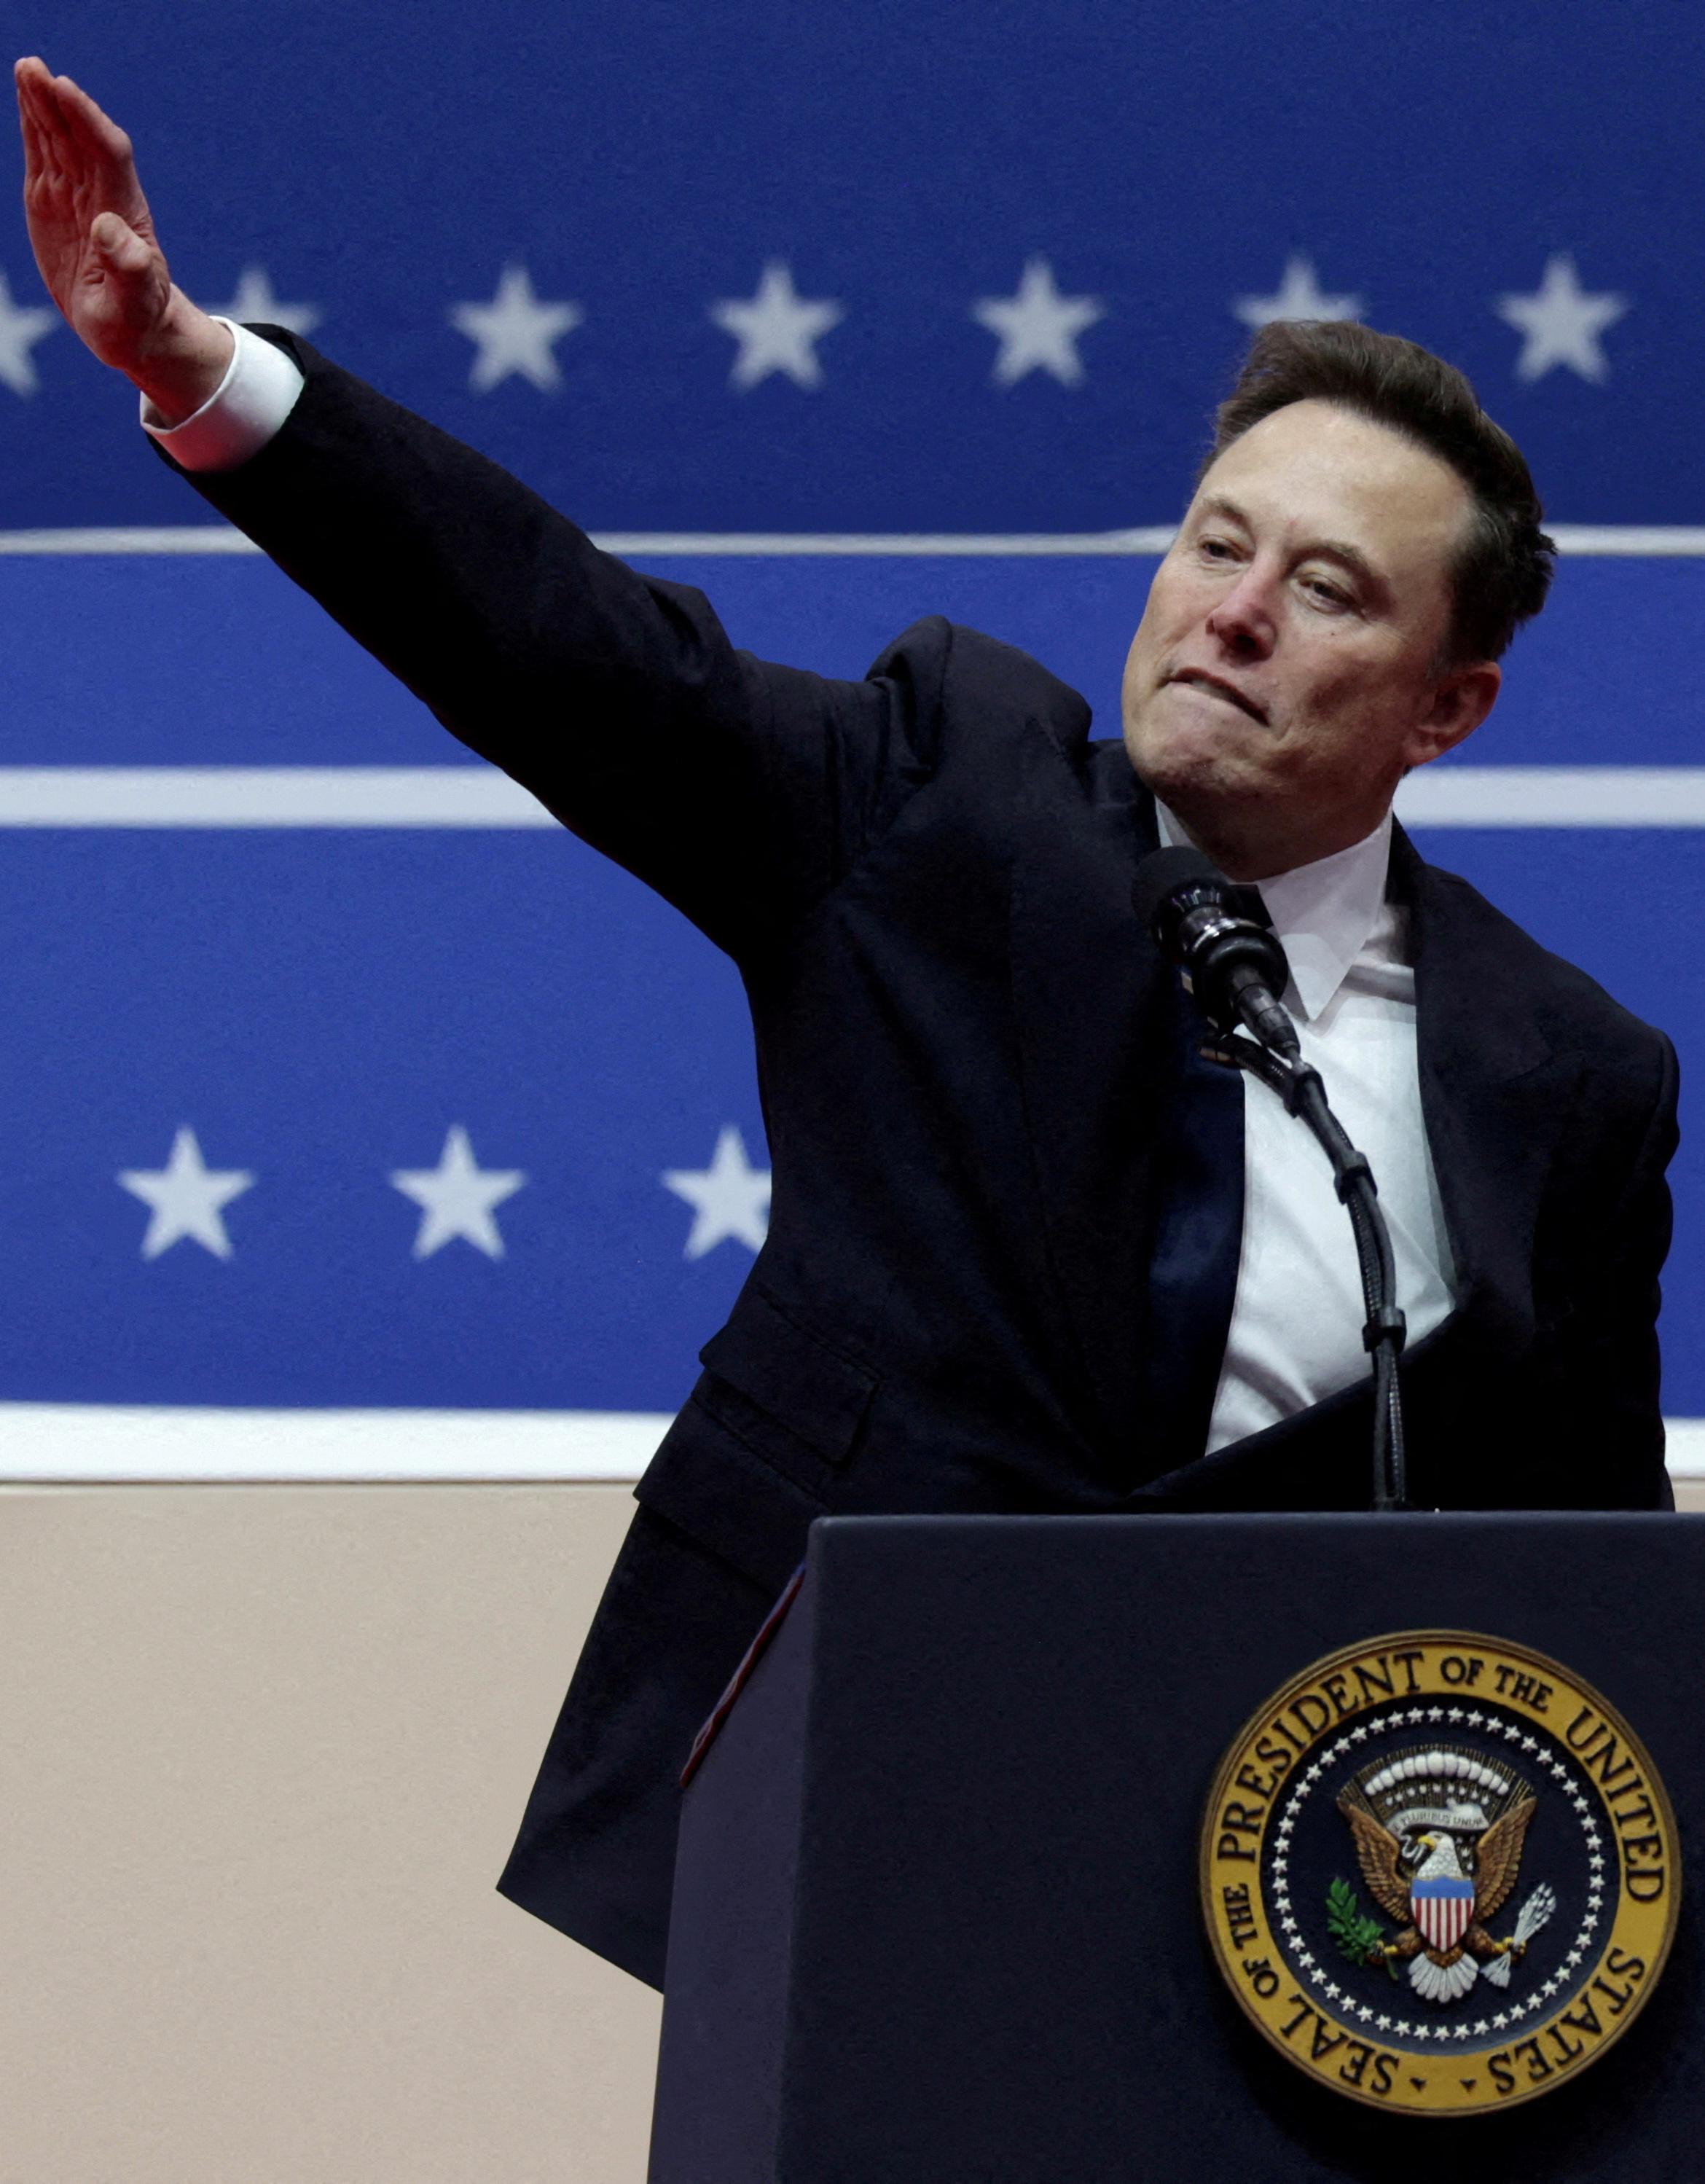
(1198, 1237)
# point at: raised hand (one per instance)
(94, 241)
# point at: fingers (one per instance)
(45, 127)
(44, 169)
(35, 145)
(85, 122)
(71, 129)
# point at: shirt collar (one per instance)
(1323, 913)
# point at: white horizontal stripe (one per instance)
(1153, 538)
(1637, 539)
(164, 538)
(479, 796)
(265, 796)
(1554, 796)
(1662, 540)
(92, 1444)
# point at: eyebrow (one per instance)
(1339, 549)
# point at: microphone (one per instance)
(1200, 920)
(1234, 966)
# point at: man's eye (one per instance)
(1215, 546)
(1329, 593)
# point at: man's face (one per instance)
(1284, 673)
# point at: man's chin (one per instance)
(1190, 771)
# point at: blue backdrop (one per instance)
(932, 269)
(321, 1008)
(642, 161)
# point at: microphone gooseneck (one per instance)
(1235, 967)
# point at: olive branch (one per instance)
(1354, 1935)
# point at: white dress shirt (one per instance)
(257, 394)
(1295, 1333)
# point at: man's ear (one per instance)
(1461, 701)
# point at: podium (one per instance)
(938, 1907)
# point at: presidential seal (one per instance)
(1439, 1873)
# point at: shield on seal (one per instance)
(1443, 1908)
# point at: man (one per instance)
(1027, 1251)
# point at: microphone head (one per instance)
(1166, 875)
(1217, 932)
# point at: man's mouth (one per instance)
(1199, 679)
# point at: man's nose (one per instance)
(1242, 619)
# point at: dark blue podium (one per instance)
(937, 1906)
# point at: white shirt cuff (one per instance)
(257, 394)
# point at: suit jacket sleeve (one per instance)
(742, 791)
(1609, 1413)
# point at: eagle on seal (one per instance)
(1441, 1868)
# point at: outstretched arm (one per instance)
(95, 242)
(740, 790)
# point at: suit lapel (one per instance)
(1096, 1013)
(1094, 1010)
(1495, 1093)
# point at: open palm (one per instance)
(89, 222)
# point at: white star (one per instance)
(1331, 1992)
(778, 331)
(1455, 1713)
(1501, 2020)
(1358, 1734)
(255, 300)
(21, 326)
(1483, 2026)
(729, 1198)
(1299, 297)
(1037, 328)
(515, 332)
(1560, 323)
(1383, 2024)
(1435, 1714)
(1475, 1719)
(457, 1197)
(185, 1198)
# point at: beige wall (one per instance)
(264, 1752)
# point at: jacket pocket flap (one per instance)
(819, 1394)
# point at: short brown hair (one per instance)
(1504, 569)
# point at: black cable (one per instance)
(1305, 1096)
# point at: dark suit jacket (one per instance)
(924, 879)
